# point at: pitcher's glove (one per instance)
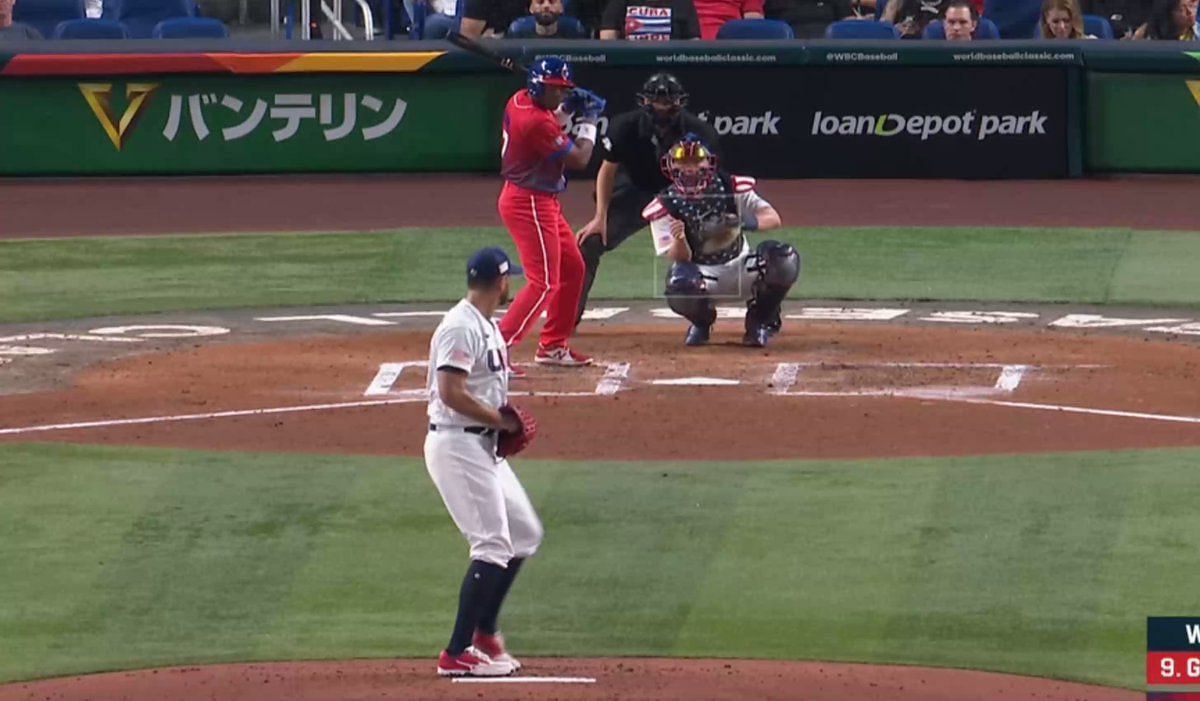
(513, 442)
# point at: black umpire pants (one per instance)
(624, 220)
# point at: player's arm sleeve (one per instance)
(548, 140)
(748, 200)
(454, 349)
(616, 141)
(663, 226)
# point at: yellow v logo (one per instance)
(1194, 87)
(99, 98)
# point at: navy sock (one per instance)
(478, 588)
(491, 611)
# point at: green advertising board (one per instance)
(1141, 122)
(252, 124)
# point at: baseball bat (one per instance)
(469, 44)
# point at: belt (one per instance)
(477, 430)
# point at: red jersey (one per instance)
(714, 13)
(533, 147)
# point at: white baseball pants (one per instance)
(483, 496)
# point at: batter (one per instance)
(468, 383)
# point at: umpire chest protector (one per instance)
(638, 146)
(711, 244)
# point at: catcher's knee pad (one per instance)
(685, 279)
(779, 264)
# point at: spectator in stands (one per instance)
(809, 18)
(1124, 15)
(14, 30)
(714, 13)
(912, 16)
(490, 17)
(960, 20)
(650, 20)
(1062, 19)
(1170, 20)
(546, 14)
(588, 13)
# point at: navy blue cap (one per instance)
(489, 264)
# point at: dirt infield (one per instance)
(819, 391)
(123, 206)
(609, 680)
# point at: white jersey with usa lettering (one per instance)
(480, 490)
(471, 343)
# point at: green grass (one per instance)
(69, 278)
(124, 558)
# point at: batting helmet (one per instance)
(548, 71)
(689, 165)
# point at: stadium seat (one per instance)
(90, 29)
(1015, 19)
(190, 28)
(44, 15)
(861, 29)
(568, 28)
(985, 30)
(755, 29)
(140, 17)
(1097, 26)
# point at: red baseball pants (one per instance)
(553, 266)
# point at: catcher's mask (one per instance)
(663, 97)
(689, 165)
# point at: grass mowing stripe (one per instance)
(1026, 564)
(71, 278)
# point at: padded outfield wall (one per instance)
(785, 110)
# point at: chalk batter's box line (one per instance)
(786, 376)
(615, 377)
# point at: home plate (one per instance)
(524, 680)
(698, 381)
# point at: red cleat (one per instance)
(472, 663)
(493, 647)
(561, 356)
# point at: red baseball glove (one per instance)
(513, 442)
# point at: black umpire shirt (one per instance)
(634, 143)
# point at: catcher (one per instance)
(472, 430)
(699, 222)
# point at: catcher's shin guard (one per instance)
(686, 295)
(778, 270)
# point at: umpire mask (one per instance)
(662, 96)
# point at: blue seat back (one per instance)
(140, 17)
(986, 29)
(190, 28)
(1014, 19)
(90, 29)
(1097, 26)
(44, 15)
(526, 28)
(755, 29)
(861, 29)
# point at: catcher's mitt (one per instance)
(513, 442)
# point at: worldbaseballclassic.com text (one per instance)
(929, 125)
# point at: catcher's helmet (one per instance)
(663, 86)
(689, 165)
(548, 71)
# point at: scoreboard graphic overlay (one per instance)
(1173, 659)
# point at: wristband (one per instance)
(586, 131)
